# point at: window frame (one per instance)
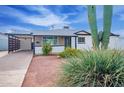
(54, 40)
(81, 42)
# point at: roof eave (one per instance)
(52, 35)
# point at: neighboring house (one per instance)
(59, 39)
(3, 42)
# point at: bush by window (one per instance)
(47, 48)
(69, 52)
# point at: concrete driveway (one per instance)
(3, 53)
(13, 68)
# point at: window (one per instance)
(50, 39)
(81, 40)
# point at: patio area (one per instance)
(42, 72)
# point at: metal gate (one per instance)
(13, 43)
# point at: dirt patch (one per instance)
(42, 72)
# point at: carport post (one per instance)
(8, 43)
(34, 45)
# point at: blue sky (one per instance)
(32, 18)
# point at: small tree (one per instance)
(47, 48)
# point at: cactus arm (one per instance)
(93, 25)
(106, 25)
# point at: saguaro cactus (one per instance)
(106, 25)
(102, 37)
(93, 25)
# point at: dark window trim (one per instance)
(75, 42)
(52, 45)
(56, 45)
(34, 45)
(52, 38)
(81, 42)
(55, 35)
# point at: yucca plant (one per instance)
(94, 69)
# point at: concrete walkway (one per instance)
(3, 53)
(13, 68)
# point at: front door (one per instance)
(67, 41)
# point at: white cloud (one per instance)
(12, 12)
(82, 16)
(46, 17)
(39, 9)
(118, 10)
(121, 16)
(48, 20)
(14, 29)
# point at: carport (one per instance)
(20, 42)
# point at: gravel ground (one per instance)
(42, 72)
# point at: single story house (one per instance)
(59, 38)
(67, 38)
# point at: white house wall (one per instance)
(73, 42)
(120, 43)
(87, 45)
(55, 49)
(113, 42)
(3, 43)
(38, 50)
(25, 44)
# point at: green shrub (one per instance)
(94, 69)
(47, 48)
(69, 52)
